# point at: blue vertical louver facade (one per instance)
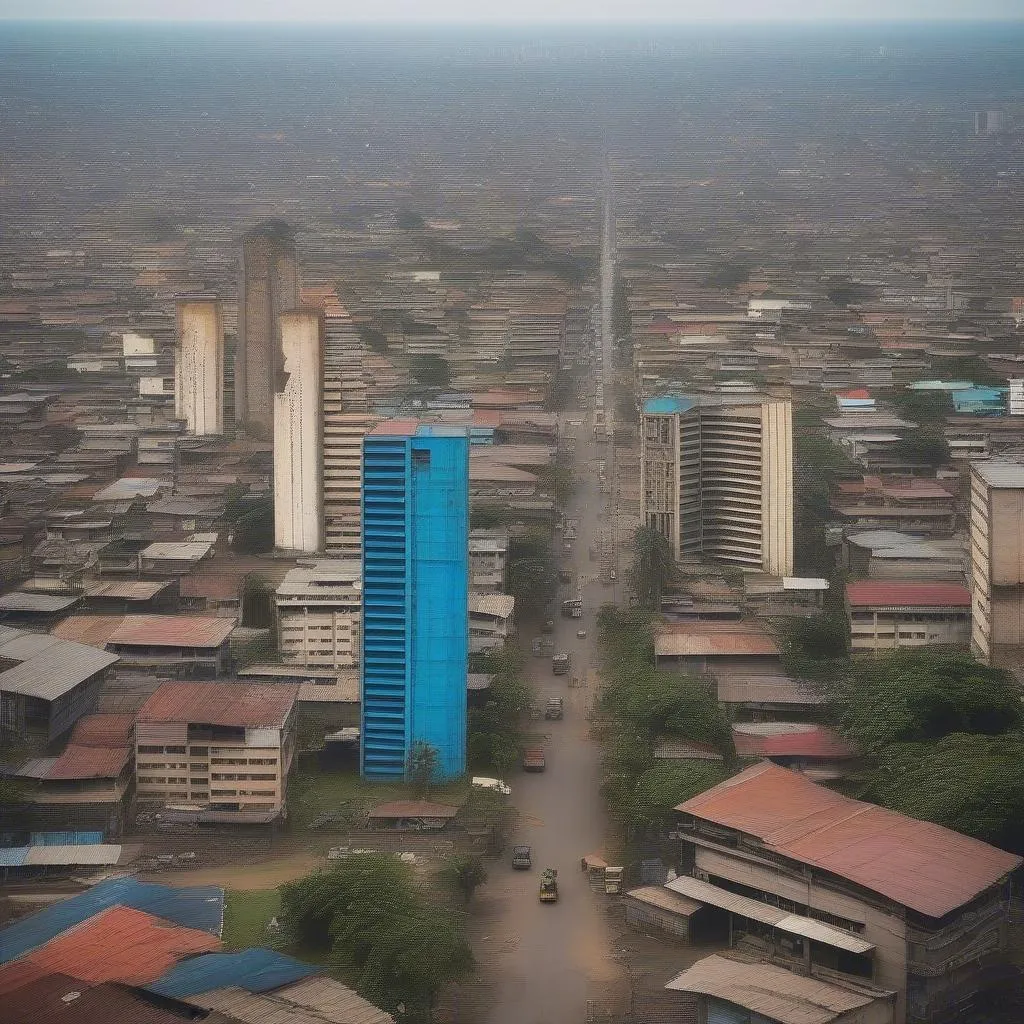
(415, 597)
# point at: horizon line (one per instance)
(955, 19)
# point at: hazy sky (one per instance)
(515, 11)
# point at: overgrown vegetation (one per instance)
(525, 250)
(430, 371)
(380, 931)
(941, 738)
(818, 464)
(728, 274)
(925, 446)
(640, 707)
(925, 408)
(653, 567)
(494, 741)
(531, 575)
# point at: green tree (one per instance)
(530, 574)
(465, 873)
(923, 695)
(653, 566)
(660, 789)
(924, 446)
(927, 408)
(430, 371)
(368, 912)
(969, 783)
(421, 767)
(253, 532)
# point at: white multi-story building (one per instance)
(319, 610)
(199, 367)
(298, 418)
(716, 478)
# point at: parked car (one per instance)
(581, 633)
(522, 858)
(482, 782)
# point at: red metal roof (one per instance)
(854, 393)
(399, 428)
(911, 593)
(209, 585)
(77, 762)
(801, 740)
(120, 944)
(709, 639)
(262, 704)
(103, 730)
(925, 867)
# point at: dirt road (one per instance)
(547, 961)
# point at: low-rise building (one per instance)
(736, 647)
(835, 892)
(188, 644)
(319, 609)
(888, 616)
(48, 683)
(487, 553)
(220, 749)
(490, 621)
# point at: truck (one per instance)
(533, 759)
(554, 708)
(572, 608)
(613, 881)
(560, 664)
(549, 885)
(522, 859)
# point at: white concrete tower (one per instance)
(199, 366)
(298, 418)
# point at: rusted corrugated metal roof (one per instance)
(774, 992)
(82, 762)
(103, 730)
(146, 630)
(254, 705)
(119, 945)
(665, 899)
(917, 864)
(708, 639)
(909, 594)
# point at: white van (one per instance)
(482, 782)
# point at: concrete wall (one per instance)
(199, 367)
(777, 487)
(269, 287)
(298, 412)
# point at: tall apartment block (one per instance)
(997, 561)
(415, 596)
(199, 366)
(297, 423)
(269, 287)
(716, 478)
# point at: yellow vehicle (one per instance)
(549, 885)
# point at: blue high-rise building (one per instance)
(415, 596)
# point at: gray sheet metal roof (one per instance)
(665, 899)
(23, 601)
(705, 892)
(1000, 473)
(774, 992)
(49, 666)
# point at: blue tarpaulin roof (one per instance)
(255, 970)
(65, 838)
(200, 907)
(12, 856)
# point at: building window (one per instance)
(421, 457)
